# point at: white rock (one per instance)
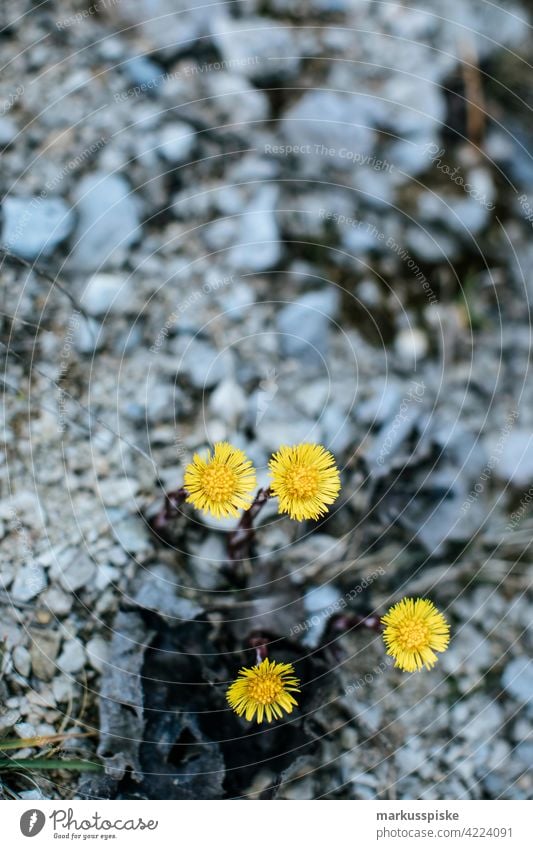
(516, 460)
(411, 344)
(108, 221)
(517, 679)
(22, 661)
(35, 226)
(29, 581)
(72, 658)
(257, 244)
(177, 141)
(97, 652)
(228, 402)
(116, 491)
(76, 570)
(106, 293)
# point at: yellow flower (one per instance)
(305, 479)
(220, 483)
(414, 631)
(264, 690)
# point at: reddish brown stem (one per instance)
(240, 540)
(348, 621)
(170, 509)
(259, 642)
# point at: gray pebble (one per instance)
(97, 652)
(257, 242)
(35, 226)
(44, 650)
(29, 581)
(305, 326)
(176, 142)
(106, 293)
(108, 222)
(260, 48)
(72, 657)
(22, 661)
(517, 679)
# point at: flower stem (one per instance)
(240, 540)
(259, 642)
(348, 621)
(170, 509)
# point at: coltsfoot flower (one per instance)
(414, 631)
(305, 479)
(220, 483)
(264, 691)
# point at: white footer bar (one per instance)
(262, 825)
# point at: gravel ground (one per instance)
(266, 223)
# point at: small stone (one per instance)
(34, 227)
(338, 430)
(24, 508)
(313, 397)
(24, 730)
(106, 293)
(228, 402)
(516, 460)
(305, 326)
(8, 718)
(256, 245)
(411, 345)
(159, 591)
(33, 795)
(231, 94)
(203, 365)
(517, 679)
(143, 72)
(259, 48)
(72, 658)
(329, 128)
(411, 756)
(132, 535)
(108, 222)
(97, 651)
(524, 751)
(177, 142)
(484, 721)
(62, 688)
(207, 560)
(29, 581)
(106, 575)
(44, 650)
(89, 336)
(319, 603)
(22, 661)
(77, 570)
(116, 491)
(430, 245)
(57, 601)
(464, 215)
(8, 131)
(167, 27)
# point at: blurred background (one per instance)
(266, 222)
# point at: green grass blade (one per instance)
(44, 763)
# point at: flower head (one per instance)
(305, 479)
(264, 690)
(221, 482)
(414, 631)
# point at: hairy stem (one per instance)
(170, 509)
(240, 540)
